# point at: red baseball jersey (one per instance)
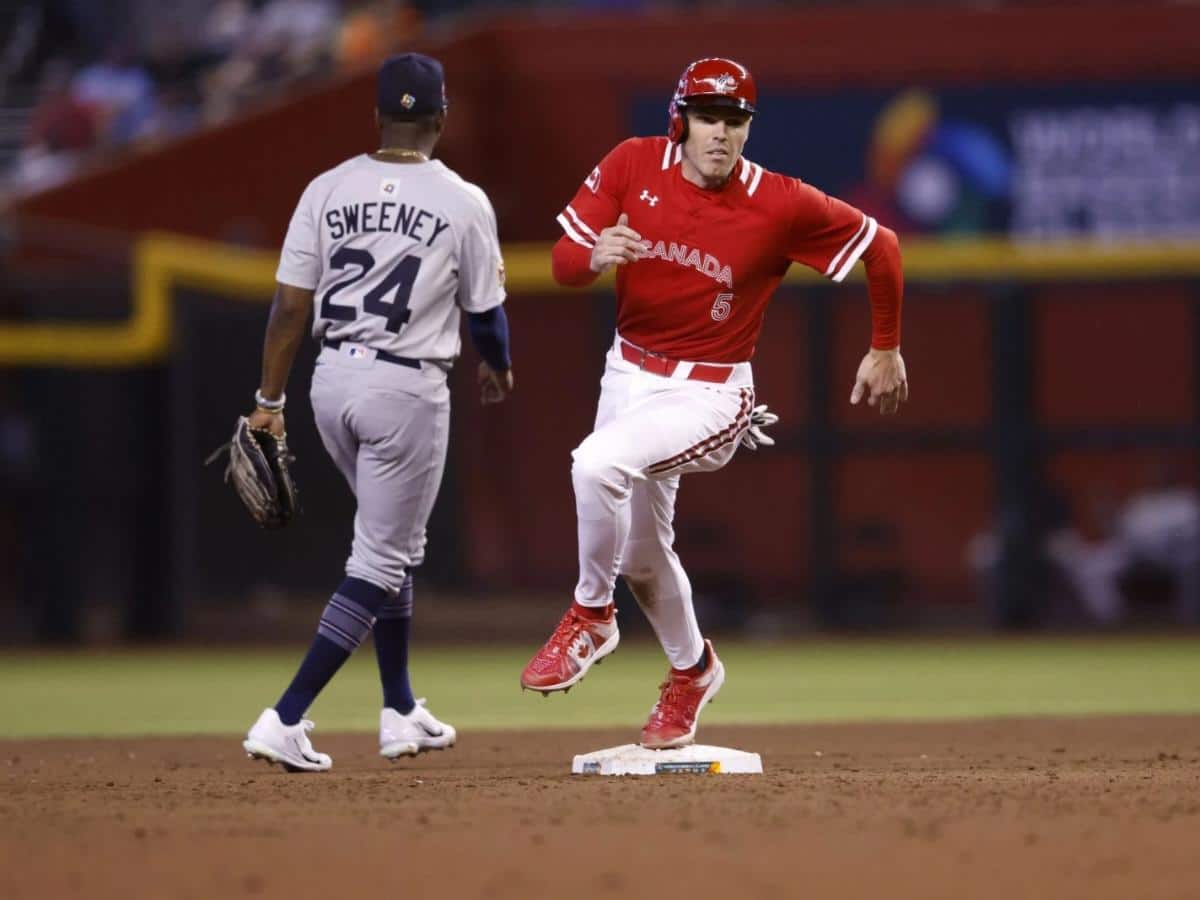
(711, 259)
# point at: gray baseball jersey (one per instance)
(393, 252)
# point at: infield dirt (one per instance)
(1093, 808)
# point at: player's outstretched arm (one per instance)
(881, 378)
(285, 330)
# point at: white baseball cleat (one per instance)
(287, 745)
(401, 735)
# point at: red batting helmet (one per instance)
(714, 81)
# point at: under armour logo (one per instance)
(648, 197)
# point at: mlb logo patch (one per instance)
(357, 353)
(389, 187)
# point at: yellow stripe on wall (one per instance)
(162, 263)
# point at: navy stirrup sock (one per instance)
(391, 649)
(701, 664)
(347, 619)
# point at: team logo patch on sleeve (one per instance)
(593, 180)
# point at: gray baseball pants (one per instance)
(386, 428)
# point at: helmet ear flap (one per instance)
(677, 122)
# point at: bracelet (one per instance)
(270, 412)
(266, 405)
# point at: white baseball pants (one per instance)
(650, 429)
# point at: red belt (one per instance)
(660, 365)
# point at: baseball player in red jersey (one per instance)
(701, 237)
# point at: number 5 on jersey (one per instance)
(722, 307)
(400, 280)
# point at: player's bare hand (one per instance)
(494, 386)
(272, 422)
(618, 244)
(882, 380)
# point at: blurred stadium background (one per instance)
(1040, 161)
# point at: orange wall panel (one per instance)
(749, 520)
(934, 502)
(781, 360)
(514, 459)
(1120, 355)
(946, 353)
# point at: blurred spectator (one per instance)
(372, 30)
(60, 118)
(1152, 540)
(35, 31)
(61, 132)
(176, 112)
(1046, 593)
(227, 21)
(286, 39)
(20, 22)
(301, 31)
(195, 61)
(1155, 534)
(39, 168)
(120, 94)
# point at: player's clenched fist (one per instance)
(618, 244)
(494, 385)
(882, 380)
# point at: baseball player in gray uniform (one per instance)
(386, 249)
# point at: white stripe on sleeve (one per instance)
(572, 233)
(833, 263)
(858, 250)
(758, 170)
(582, 225)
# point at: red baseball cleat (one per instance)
(577, 643)
(673, 720)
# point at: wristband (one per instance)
(272, 406)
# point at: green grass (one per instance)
(192, 691)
